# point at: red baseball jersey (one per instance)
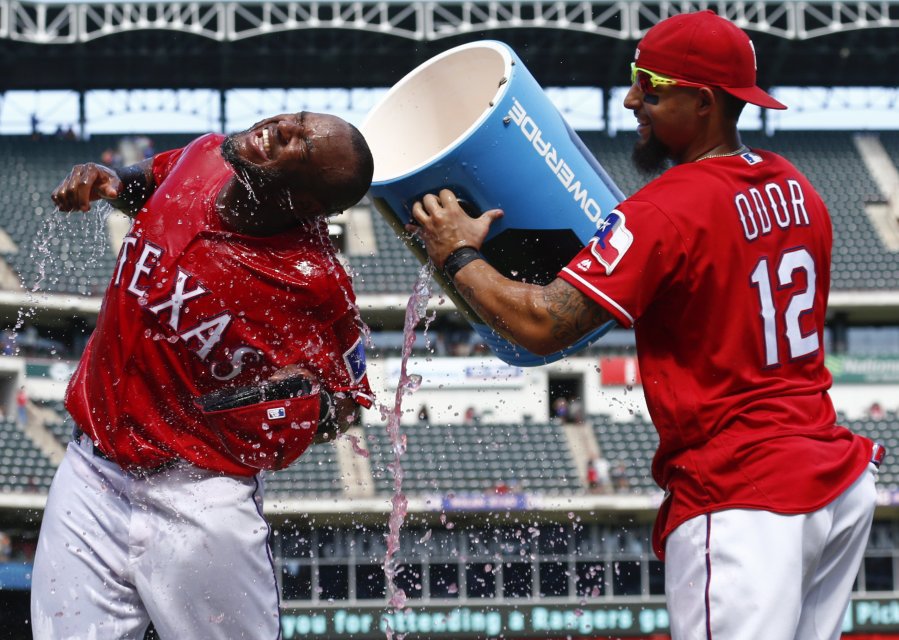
(722, 267)
(193, 308)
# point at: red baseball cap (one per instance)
(706, 48)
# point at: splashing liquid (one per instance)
(407, 385)
(81, 235)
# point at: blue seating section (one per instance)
(23, 467)
(476, 458)
(315, 473)
(629, 444)
(886, 431)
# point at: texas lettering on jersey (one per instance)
(200, 337)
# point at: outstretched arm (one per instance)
(542, 319)
(126, 189)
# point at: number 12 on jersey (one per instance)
(800, 302)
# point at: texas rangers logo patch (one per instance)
(611, 241)
(354, 359)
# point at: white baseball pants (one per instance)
(184, 547)
(743, 574)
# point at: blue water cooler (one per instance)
(473, 119)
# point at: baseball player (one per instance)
(228, 341)
(722, 268)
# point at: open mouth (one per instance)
(267, 143)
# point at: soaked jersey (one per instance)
(722, 267)
(193, 308)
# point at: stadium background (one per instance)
(504, 537)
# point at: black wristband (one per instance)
(132, 174)
(136, 188)
(458, 259)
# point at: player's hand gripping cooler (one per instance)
(474, 120)
(268, 426)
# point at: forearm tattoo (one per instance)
(467, 292)
(572, 313)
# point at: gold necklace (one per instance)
(741, 149)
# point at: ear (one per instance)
(706, 100)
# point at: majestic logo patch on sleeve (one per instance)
(611, 241)
(354, 358)
(751, 158)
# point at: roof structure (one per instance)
(344, 43)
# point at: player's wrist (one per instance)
(135, 188)
(459, 258)
(328, 424)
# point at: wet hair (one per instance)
(342, 192)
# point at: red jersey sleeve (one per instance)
(164, 162)
(635, 253)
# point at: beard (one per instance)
(650, 156)
(253, 175)
(267, 185)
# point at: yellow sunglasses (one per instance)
(648, 80)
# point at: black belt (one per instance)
(77, 434)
